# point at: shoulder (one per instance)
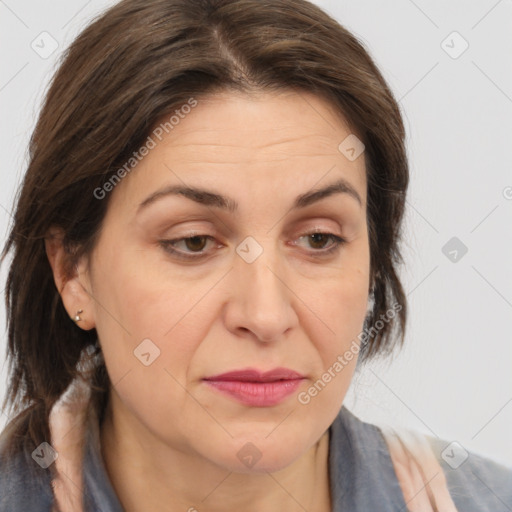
(475, 482)
(25, 486)
(362, 476)
(403, 468)
(442, 472)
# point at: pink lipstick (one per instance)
(255, 388)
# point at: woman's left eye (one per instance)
(192, 247)
(318, 241)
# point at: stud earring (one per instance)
(77, 316)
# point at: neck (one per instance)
(148, 474)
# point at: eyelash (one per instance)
(168, 244)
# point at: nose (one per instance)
(261, 302)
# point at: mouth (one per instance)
(254, 388)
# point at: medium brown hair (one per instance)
(143, 59)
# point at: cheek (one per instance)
(340, 302)
(342, 308)
(143, 316)
(131, 296)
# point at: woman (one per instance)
(205, 246)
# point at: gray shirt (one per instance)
(361, 475)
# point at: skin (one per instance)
(169, 441)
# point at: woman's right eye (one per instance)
(195, 244)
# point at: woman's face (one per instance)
(187, 286)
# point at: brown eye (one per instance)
(318, 240)
(196, 243)
(191, 247)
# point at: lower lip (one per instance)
(257, 394)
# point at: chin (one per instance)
(272, 464)
(258, 456)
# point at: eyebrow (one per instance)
(213, 199)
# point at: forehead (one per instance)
(263, 120)
(277, 141)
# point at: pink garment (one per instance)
(418, 471)
(67, 427)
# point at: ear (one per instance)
(72, 282)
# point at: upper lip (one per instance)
(251, 375)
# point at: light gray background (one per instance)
(454, 377)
